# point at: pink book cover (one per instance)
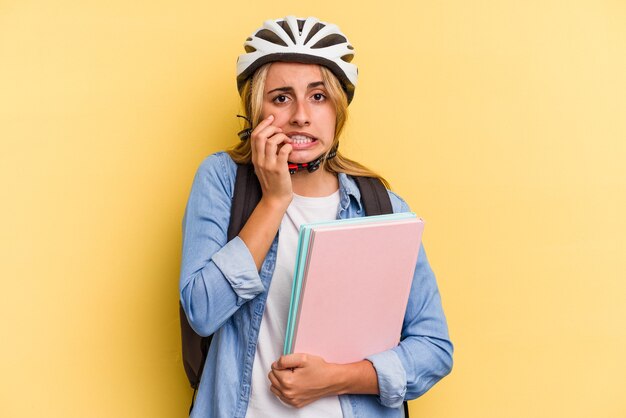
(355, 289)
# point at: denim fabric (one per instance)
(223, 294)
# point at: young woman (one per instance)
(296, 81)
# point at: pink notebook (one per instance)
(356, 286)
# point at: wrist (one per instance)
(342, 377)
(356, 378)
(276, 203)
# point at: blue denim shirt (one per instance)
(223, 294)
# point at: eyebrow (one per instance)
(290, 89)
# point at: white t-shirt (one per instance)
(263, 403)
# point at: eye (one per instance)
(319, 97)
(281, 98)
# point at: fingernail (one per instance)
(270, 117)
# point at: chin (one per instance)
(304, 156)
(301, 157)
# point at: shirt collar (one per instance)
(347, 188)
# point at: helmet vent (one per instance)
(347, 57)
(270, 36)
(283, 24)
(329, 40)
(249, 49)
(300, 25)
(316, 28)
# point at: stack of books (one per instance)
(351, 286)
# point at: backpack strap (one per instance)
(246, 196)
(374, 196)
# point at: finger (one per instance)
(257, 146)
(283, 154)
(260, 127)
(278, 379)
(278, 394)
(264, 123)
(273, 146)
(290, 361)
(266, 133)
(278, 138)
(287, 400)
(259, 140)
(274, 380)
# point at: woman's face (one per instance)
(295, 94)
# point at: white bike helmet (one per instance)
(307, 41)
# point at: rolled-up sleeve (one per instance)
(238, 267)
(424, 355)
(217, 276)
(391, 378)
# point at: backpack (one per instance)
(246, 195)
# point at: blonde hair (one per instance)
(252, 103)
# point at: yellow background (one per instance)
(503, 123)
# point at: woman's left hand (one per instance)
(299, 379)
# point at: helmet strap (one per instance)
(312, 166)
(245, 134)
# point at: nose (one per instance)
(300, 116)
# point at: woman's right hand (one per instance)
(270, 151)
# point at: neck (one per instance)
(317, 184)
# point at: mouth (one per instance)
(301, 141)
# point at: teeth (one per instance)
(301, 139)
